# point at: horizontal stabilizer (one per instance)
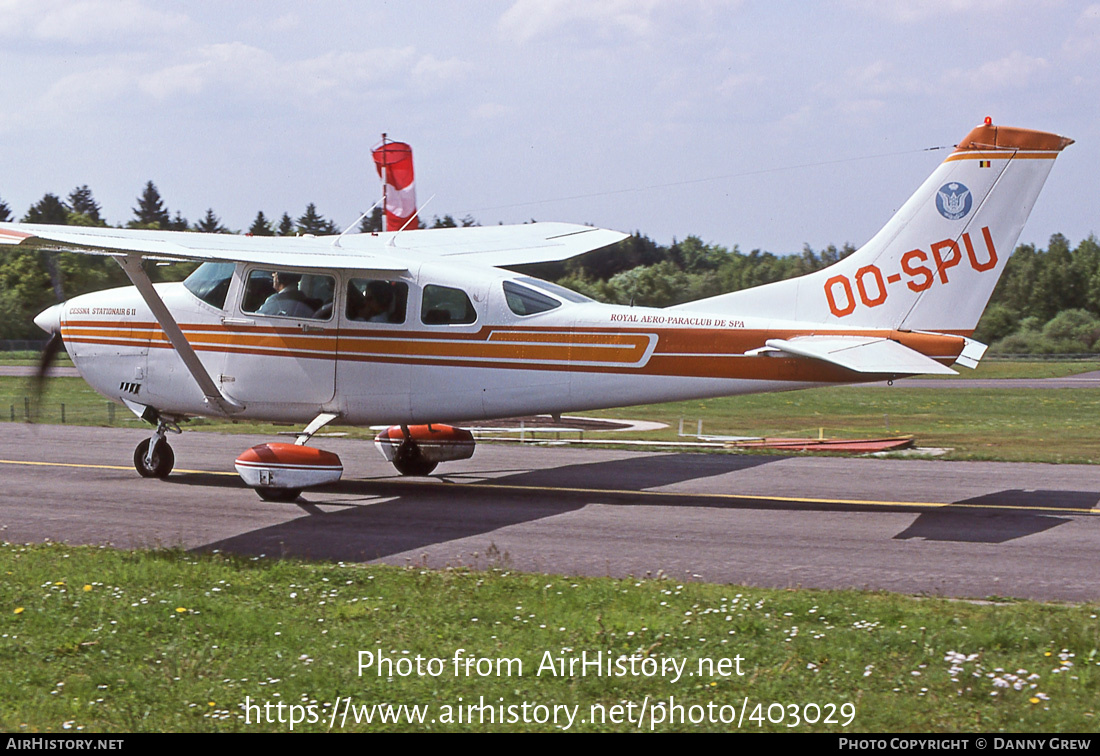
(863, 354)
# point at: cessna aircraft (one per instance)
(415, 328)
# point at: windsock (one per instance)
(394, 161)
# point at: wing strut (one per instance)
(215, 398)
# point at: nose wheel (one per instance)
(156, 462)
(153, 457)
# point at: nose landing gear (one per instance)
(153, 457)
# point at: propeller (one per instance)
(48, 320)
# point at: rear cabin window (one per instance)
(442, 305)
(372, 300)
(210, 282)
(525, 301)
(288, 294)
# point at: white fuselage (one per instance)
(576, 356)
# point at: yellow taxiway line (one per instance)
(101, 467)
(642, 493)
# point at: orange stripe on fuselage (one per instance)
(687, 352)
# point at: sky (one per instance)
(766, 125)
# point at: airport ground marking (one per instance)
(647, 493)
(32, 463)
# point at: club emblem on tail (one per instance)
(953, 201)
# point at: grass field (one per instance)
(93, 639)
(99, 640)
(24, 358)
(987, 424)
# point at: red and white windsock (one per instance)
(394, 161)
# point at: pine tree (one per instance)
(211, 224)
(371, 223)
(5, 211)
(261, 226)
(179, 223)
(312, 222)
(286, 226)
(81, 201)
(49, 209)
(151, 210)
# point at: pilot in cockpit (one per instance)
(287, 300)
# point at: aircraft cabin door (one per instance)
(373, 373)
(280, 349)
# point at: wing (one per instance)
(506, 245)
(478, 245)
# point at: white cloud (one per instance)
(84, 21)
(527, 19)
(86, 89)
(429, 71)
(1084, 39)
(913, 11)
(229, 62)
(489, 111)
(735, 83)
(247, 71)
(286, 22)
(1014, 71)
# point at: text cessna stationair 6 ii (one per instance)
(421, 327)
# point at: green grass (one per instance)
(1034, 425)
(993, 368)
(26, 358)
(102, 640)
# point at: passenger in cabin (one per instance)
(377, 303)
(287, 300)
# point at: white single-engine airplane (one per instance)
(419, 327)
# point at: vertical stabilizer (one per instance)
(933, 266)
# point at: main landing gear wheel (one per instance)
(157, 465)
(278, 494)
(409, 460)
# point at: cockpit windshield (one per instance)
(210, 282)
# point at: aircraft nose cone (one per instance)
(49, 320)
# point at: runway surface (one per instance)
(911, 526)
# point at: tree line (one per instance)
(1047, 301)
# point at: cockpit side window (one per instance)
(524, 301)
(442, 305)
(372, 300)
(210, 282)
(289, 294)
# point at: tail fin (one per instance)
(933, 266)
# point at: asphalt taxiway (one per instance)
(963, 529)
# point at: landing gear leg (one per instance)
(409, 460)
(153, 457)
